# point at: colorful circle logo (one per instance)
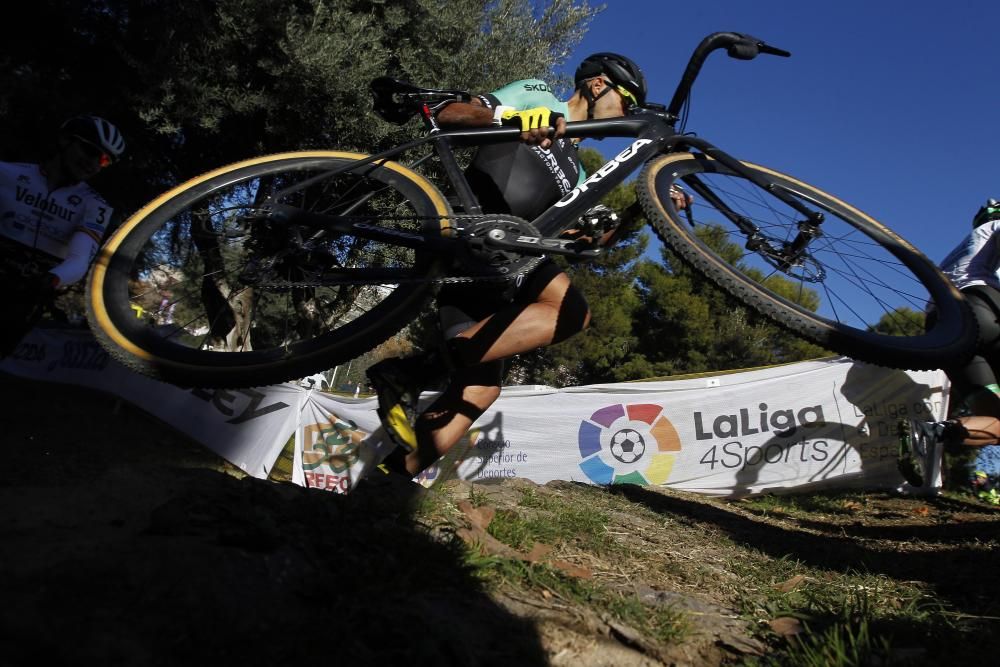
(628, 444)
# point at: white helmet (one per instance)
(96, 131)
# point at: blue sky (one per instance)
(893, 106)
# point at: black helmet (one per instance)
(96, 131)
(987, 213)
(619, 69)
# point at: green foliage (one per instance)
(901, 322)
(691, 326)
(198, 85)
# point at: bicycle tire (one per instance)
(210, 237)
(823, 300)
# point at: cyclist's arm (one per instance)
(477, 114)
(466, 114)
(82, 248)
(84, 242)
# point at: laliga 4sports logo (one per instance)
(628, 444)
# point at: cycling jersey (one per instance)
(62, 227)
(520, 179)
(974, 262)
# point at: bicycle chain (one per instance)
(530, 264)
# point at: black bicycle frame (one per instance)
(653, 131)
(653, 135)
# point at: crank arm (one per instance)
(536, 245)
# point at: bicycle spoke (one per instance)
(292, 281)
(855, 279)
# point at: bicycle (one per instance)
(295, 262)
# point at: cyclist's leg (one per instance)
(977, 381)
(546, 310)
(470, 392)
(922, 442)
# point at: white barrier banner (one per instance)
(247, 427)
(807, 425)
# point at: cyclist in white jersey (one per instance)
(485, 324)
(52, 221)
(973, 268)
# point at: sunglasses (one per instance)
(627, 96)
(94, 152)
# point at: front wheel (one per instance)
(858, 289)
(209, 285)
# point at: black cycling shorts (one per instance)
(467, 303)
(982, 369)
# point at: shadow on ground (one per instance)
(120, 544)
(942, 555)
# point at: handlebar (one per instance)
(737, 45)
(629, 126)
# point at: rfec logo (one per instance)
(332, 444)
(628, 444)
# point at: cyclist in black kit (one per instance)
(484, 324)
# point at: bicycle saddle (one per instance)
(396, 101)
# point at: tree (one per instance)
(692, 326)
(901, 322)
(198, 85)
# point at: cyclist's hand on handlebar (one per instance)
(539, 126)
(527, 119)
(680, 198)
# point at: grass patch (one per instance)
(661, 623)
(848, 618)
(534, 499)
(550, 520)
(802, 505)
(845, 613)
(840, 645)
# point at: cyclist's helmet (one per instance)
(987, 213)
(97, 132)
(620, 71)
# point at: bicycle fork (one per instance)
(790, 253)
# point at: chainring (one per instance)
(480, 261)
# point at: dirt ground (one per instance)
(122, 543)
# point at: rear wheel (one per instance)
(206, 286)
(859, 289)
